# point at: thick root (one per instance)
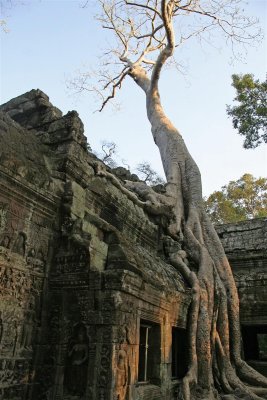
(249, 375)
(214, 337)
(215, 318)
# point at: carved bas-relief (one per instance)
(75, 375)
(27, 331)
(5, 242)
(26, 218)
(36, 261)
(121, 376)
(1, 328)
(17, 332)
(20, 244)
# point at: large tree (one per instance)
(240, 200)
(146, 42)
(249, 116)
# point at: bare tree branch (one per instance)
(114, 87)
(145, 6)
(145, 31)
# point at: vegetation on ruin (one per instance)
(144, 171)
(249, 116)
(148, 174)
(239, 200)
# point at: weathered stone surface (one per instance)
(84, 269)
(28, 208)
(246, 247)
(92, 262)
(32, 110)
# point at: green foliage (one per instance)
(243, 199)
(250, 115)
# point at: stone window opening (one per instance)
(255, 342)
(149, 353)
(179, 353)
(262, 340)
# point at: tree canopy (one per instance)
(239, 200)
(249, 116)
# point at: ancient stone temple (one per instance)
(90, 306)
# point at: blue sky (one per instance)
(50, 40)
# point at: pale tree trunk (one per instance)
(214, 338)
(213, 321)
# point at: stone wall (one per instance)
(90, 307)
(245, 244)
(94, 265)
(28, 213)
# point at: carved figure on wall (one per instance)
(7, 280)
(31, 256)
(3, 216)
(121, 375)
(36, 260)
(16, 337)
(40, 256)
(1, 328)
(75, 377)
(27, 331)
(40, 261)
(5, 242)
(20, 244)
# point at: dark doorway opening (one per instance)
(179, 352)
(254, 342)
